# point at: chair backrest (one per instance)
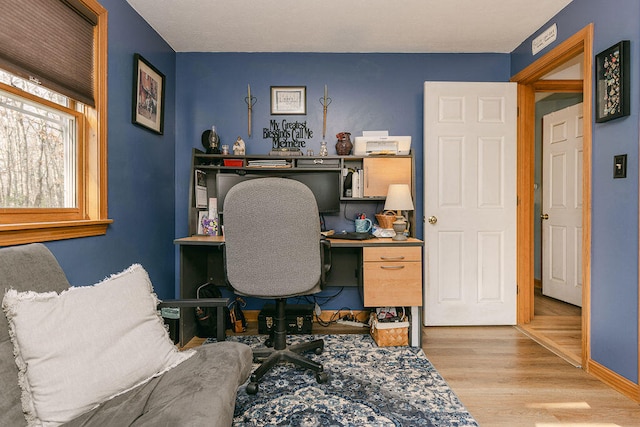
(272, 238)
(23, 268)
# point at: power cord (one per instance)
(349, 318)
(335, 317)
(320, 300)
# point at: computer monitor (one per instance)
(224, 182)
(325, 186)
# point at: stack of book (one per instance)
(269, 163)
(357, 184)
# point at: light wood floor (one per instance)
(557, 326)
(506, 379)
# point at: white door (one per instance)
(470, 203)
(562, 205)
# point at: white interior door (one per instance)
(562, 205)
(470, 203)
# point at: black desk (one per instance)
(201, 262)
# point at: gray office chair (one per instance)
(273, 249)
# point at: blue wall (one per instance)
(141, 169)
(368, 92)
(614, 252)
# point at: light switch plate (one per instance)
(620, 166)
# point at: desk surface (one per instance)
(336, 243)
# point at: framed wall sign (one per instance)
(612, 82)
(289, 100)
(148, 95)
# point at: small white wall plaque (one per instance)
(545, 39)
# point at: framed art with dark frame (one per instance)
(612, 82)
(289, 100)
(148, 95)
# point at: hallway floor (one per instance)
(557, 326)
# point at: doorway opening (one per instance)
(534, 79)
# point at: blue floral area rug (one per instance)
(368, 386)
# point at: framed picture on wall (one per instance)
(612, 82)
(288, 100)
(148, 95)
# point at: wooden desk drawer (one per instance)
(392, 254)
(392, 284)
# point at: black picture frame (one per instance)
(288, 100)
(147, 109)
(612, 82)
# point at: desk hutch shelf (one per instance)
(377, 173)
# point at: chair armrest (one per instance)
(195, 302)
(203, 302)
(325, 252)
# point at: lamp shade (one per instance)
(398, 198)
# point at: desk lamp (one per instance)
(399, 199)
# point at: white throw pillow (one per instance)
(79, 348)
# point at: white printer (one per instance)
(380, 143)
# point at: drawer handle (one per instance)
(392, 267)
(318, 161)
(392, 258)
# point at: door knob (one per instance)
(432, 220)
(544, 216)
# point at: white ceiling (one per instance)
(404, 26)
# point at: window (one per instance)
(53, 143)
(38, 149)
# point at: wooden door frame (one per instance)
(529, 82)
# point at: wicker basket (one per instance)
(386, 219)
(390, 334)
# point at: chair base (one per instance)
(283, 353)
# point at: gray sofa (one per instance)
(200, 391)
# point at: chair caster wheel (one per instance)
(252, 388)
(318, 350)
(268, 343)
(322, 377)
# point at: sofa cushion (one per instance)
(22, 268)
(201, 392)
(86, 345)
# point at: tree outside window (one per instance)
(37, 149)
